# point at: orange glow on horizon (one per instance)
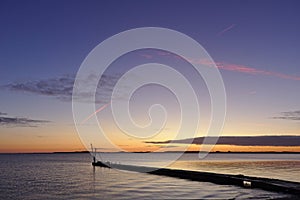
(65, 139)
(80, 147)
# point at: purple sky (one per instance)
(255, 45)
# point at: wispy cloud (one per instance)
(254, 71)
(2, 113)
(61, 88)
(226, 29)
(239, 140)
(289, 115)
(19, 121)
(228, 66)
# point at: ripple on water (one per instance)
(71, 176)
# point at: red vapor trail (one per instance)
(254, 71)
(226, 29)
(99, 109)
(232, 67)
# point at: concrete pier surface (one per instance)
(269, 184)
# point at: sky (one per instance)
(255, 45)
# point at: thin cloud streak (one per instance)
(226, 29)
(61, 88)
(228, 66)
(98, 110)
(239, 140)
(20, 121)
(289, 115)
(254, 71)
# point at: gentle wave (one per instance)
(71, 176)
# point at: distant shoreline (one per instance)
(188, 152)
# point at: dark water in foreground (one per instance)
(71, 176)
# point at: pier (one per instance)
(268, 184)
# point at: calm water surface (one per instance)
(71, 176)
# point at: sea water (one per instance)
(71, 176)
